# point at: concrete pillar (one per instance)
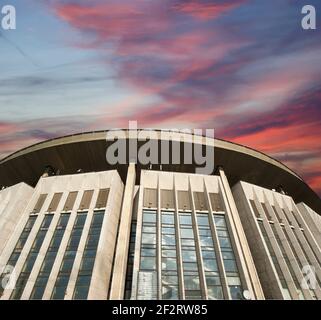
(248, 268)
(120, 263)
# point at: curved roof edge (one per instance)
(67, 153)
(101, 134)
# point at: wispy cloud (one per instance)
(242, 67)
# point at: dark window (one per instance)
(61, 283)
(89, 255)
(31, 258)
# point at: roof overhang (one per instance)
(87, 151)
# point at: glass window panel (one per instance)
(89, 253)
(169, 264)
(55, 241)
(203, 220)
(191, 282)
(149, 238)
(30, 222)
(149, 229)
(37, 293)
(62, 281)
(187, 233)
(205, 232)
(70, 254)
(22, 280)
(215, 293)
(213, 281)
(189, 256)
(233, 281)
(210, 265)
(206, 241)
(92, 240)
(76, 232)
(24, 234)
(167, 218)
(149, 218)
(225, 242)
(20, 243)
(38, 241)
(87, 264)
(168, 230)
(230, 266)
(219, 221)
(58, 292)
(98, 219)
(148, 263)
(83, 280)
(46, 222)
(170, 293)
(66, 265)
(149, 246)
(94, 230)
(236, 292)
(188, 242)
(168, 279)
(228, 254)
(193, 295)
(14, 256)
(208, 254)
(29, 262)
(80, 220)
(47, 264)
(62, 223)
(222, 233)
(74, 241)
(185, 219)
(169, 253)
(191, 273)
(81, 293)
(41, 281)
(168, 240)
(190, 266)
(149, 211)
(146, 252)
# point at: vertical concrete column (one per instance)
(120, 263)
(314, 257)
(287, 248)
(13, 200)
(63, 245)
(217, 249)
(248, 267)
(300, 223)
(139, 227)
(181, 287)
(296, 244)
(310, 219)
(266, 217)
(159, 242)
(197, 244)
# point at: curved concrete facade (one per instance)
(88, 152)
(75, 227)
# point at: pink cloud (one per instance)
(206, 11)
(190, 72)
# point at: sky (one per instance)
(245, 68)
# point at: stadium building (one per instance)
(73, 226)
